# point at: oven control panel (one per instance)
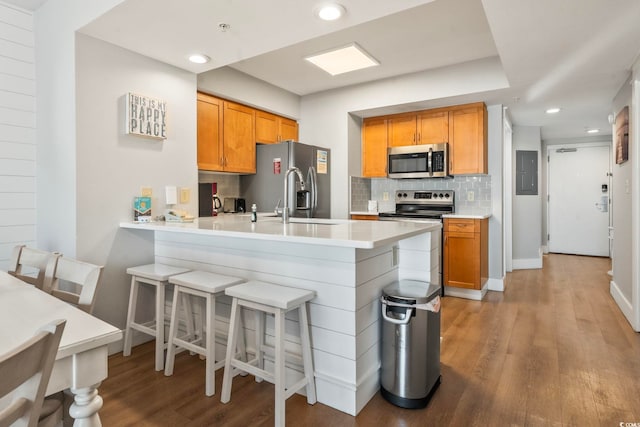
(434, 197)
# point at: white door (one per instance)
(578, 208)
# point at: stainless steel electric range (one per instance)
(423, 206)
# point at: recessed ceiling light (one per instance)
(199, 58)
(593, 130)
(553, 110)
(343, 60)
(330, 12)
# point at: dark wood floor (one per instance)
(553, 349)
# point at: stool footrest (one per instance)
(148, 327)
(253, 370)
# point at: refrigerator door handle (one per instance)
(314, 190)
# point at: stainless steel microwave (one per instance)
(418, 161)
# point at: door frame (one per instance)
(550, 147)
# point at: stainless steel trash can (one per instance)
(410, 372)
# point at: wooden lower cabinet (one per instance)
(365, 217)
(466, 250)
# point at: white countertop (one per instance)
(468, 215)
(316, 231)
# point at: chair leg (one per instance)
(131, 316)
(160, 326)
(188, 314)
(231, 349)
(210, 346)
(173, 331)
(279, 372)
(306, 354)
(259, 325)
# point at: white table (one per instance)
(81, 362)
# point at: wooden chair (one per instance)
(75, 282)
(32, 265)
(25, 373)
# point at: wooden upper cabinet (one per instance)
(402, 130)
(374, 147)
(239, 138)
(271, 128)
(468, 139)
(433, 127)
(209, 132)
(288, 129)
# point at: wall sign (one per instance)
(146, 116)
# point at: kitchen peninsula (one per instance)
(347, 263)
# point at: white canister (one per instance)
(372, 206)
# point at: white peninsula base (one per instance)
(347, 275)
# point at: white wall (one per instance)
(495, 123)
(112, 166)
(56, 192)
(237, 86)
(622, 194)
(527, 210)
(17, 131)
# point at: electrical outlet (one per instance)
(146, 192)
(185, 193)
(385, 196)
(470, 196)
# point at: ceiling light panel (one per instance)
(343, 60)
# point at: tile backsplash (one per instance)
(472, 192)
(228, 185)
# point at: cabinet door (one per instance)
(468, 142)
(433, 128)
(288, 129)
(462, 259)
(402, 131)
(209, 125)
(266, 127)
(374, 147)
(239, 138)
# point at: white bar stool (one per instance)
(205, 285)
(276, 300)
(156, 275)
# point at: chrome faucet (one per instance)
(285, 208)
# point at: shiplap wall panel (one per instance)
(14, 67)
(18, 200)
(17, 134)
(17, 131)
(18, 101)
(17, 151)
(16, 17)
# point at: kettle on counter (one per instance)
(217, 204)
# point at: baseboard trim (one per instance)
(527, 264)
(623, 303)
(496, 284)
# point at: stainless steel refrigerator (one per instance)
(266, 187)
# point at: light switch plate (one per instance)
(185, 194)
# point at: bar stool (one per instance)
(276, 300)
(204, 285)
(156, 275)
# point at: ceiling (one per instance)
(575, 54)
